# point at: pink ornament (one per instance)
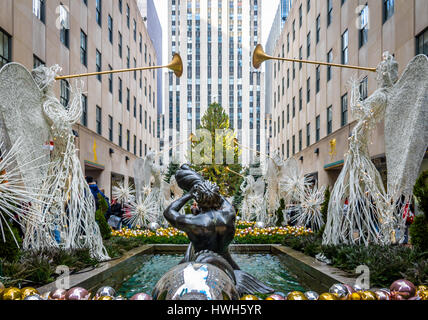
(403, 288)
(382, 295)
(77, 293)
(58, 294)
(141, 296)
(350, 289)
(275, 297)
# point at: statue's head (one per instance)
(387, 71)
(207, 195)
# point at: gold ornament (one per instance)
(249, 297)
(355, 296)
(28, 291)
(105, 298)
(423, 294)
(1, 289)
(12, 294)
(368, 295)
(296, 295)
(328, 296)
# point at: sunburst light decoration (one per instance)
(123, 193)
(143, 211)
(17, 199)
(309, 213)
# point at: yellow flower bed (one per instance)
(240, 233)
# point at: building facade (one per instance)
(119, 116)
(216, 39)
(311, 113)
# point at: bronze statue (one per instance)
(211, 230)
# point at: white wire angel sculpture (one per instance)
(372, 215)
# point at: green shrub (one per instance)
(9, 250)
(100, 217)
(420, 190)
(324, 206)
(279, 214)
(419, 233)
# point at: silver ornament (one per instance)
(33, 297)
(311, 295)
(154, 226)
(260, 224)
(339, 290)
(106, 291)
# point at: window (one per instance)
(308, 42)
(64, 34)
(308, 6)
(64, 93)
(344, 113)
(127, 15)
(120, 6)
(141, 114)
(110, 128)
(329, 59)
(283, 119)
(300, 140)
(98, 64)
(318, 28)
(294, 30)
(98, 16)
(300, 16)
(300, 99)
(308, 134)
(300, 57)
(135, 144)
(120, 44)
(141, 148)
(345, 47)
(329, 120)
(110, 80)
(83, 48)
(364, 88)
(294, 145)
(135, 107)
(388, 9)
(288, 149)
(364, 26)
(318, 79)
(5, 48)
(329, 11)
(98, 120)
(308, 90)
(110, 29)
(128, 98)
(288, 113)
(294, 107)
(135, 30)
(421, 43)
(318, 129)
(39, 9)
(120, 135)
(120, 90)
(37, 62)
(128, 142)
(84, 118)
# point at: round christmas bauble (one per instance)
(403, 288)
(249, 297)
(141, 296)
(296, 295)
(328, 296)
(77, 293)
(12, 294)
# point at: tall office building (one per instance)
(118, 123)
(311, 111)
(154, 29)
(216, 39)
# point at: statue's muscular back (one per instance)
(213, 230)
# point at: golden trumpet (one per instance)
(176, 65)
(259, 56)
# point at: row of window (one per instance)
(329, 124)
(98, 119)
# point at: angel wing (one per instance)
(259, 187)
(22, 118)
(406, 126)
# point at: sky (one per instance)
(269, 8)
